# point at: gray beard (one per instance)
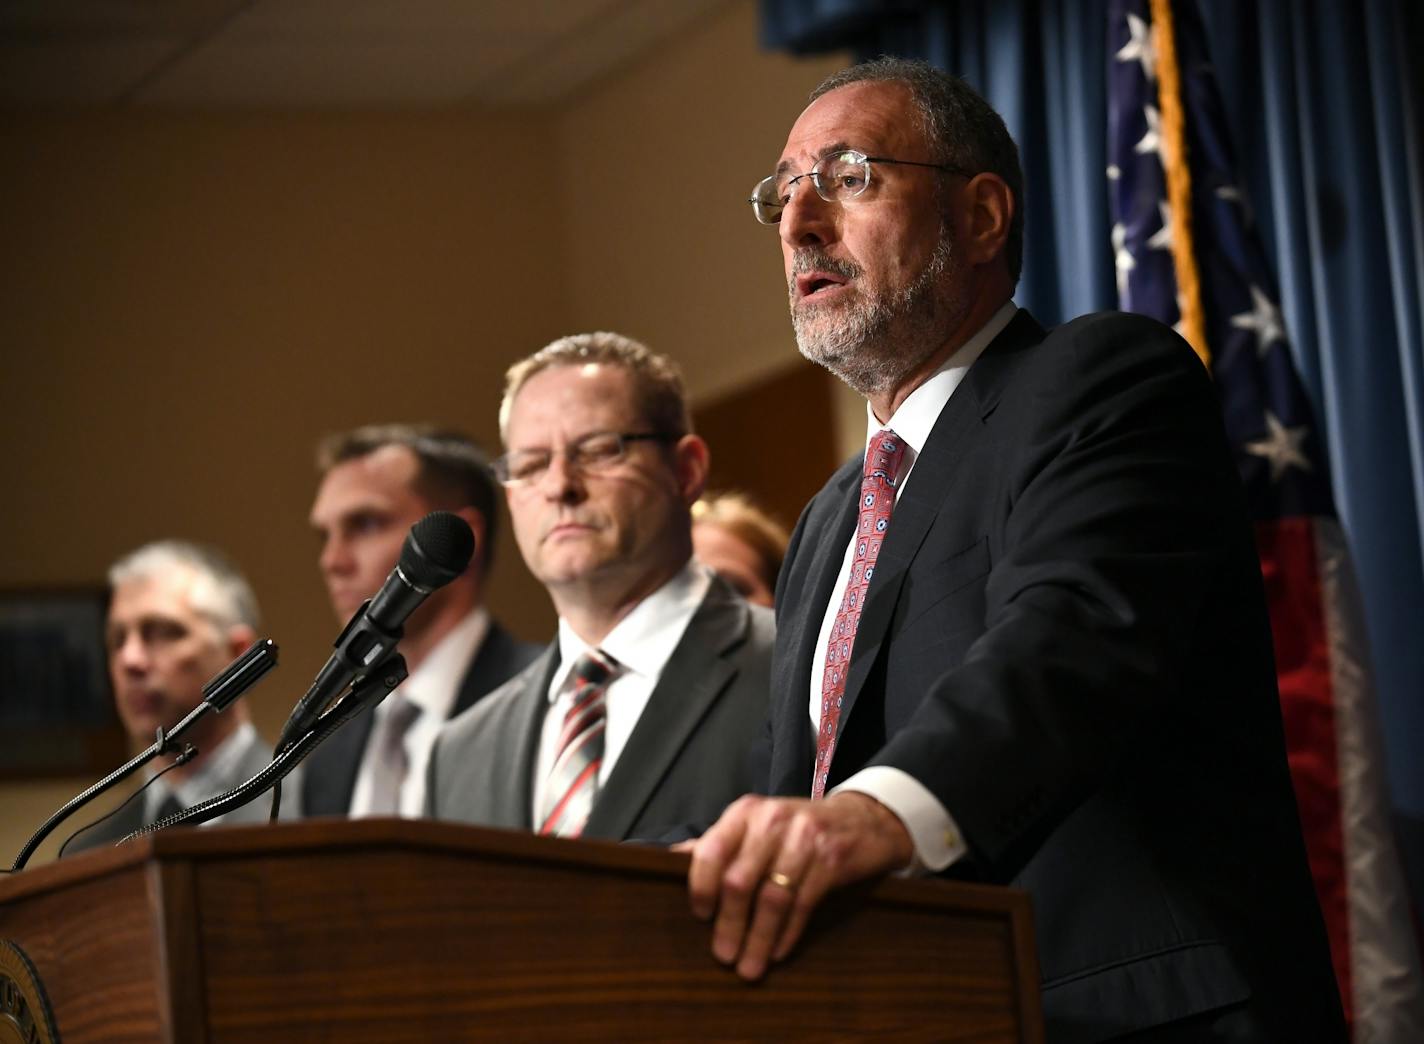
(876, 343)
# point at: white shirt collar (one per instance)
(643, 641)
(916, 416)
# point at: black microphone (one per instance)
(240, 675)
(437, 550)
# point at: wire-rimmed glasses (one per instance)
(838, 177)
(596, 451)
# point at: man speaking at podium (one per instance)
(178, 614)
(1024, 640)
(643, 715)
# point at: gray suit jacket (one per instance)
(130, 817)
(699, 744)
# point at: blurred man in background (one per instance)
(378, 481)
(178, 615)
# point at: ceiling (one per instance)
(322, 54)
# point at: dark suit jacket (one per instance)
(1066, 641)
(329, 773)
(696, 748)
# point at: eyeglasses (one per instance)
(837, 177)
(597, 451)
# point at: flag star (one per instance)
(1264, 320)
(1281, 447)
(1233, 195)
(1123, 260)
(1139, 46)
(1162, 238)
(1114, 172)
(1180, 325)
(1151, 141)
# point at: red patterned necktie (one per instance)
(877, 500)
(573, 781)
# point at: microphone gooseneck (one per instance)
(218, 695)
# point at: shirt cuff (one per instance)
(932, 830)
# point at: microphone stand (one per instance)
(368, 691)
(219, 694)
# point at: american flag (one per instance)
(1187, 254)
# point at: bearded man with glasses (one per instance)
(645, 712)
(1024, 640)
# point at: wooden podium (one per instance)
(390, 930)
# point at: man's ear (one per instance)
(694, 459)
(479, 527)
(239, 639)
(986, 213)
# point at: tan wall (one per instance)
(678, 260)
(187, 302)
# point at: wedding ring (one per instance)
(779, 879)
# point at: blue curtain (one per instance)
(1325, 102)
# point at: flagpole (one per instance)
(1179, 179)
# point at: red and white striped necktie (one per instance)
(573, 781)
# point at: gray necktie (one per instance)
(389, 762)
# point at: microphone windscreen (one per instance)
(437, 550)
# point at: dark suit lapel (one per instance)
(327, 787)
(499, 658)
(931, 483)
(827, 531)
(830, 529)
(512, 780)
(696, 673)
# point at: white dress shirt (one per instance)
(217, 774)
(937, 840)
(642, 643)
(433, 687)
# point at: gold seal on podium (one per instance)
(25, 1016)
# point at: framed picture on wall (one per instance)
(57, 713)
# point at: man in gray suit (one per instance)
(646, 711)
(178, 615)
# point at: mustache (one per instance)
(814, 259)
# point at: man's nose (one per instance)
(131, 655)
(807, 219)
(562, 480)
(335, 557)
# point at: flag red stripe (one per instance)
(1293, 592)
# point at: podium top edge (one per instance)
(427, 836)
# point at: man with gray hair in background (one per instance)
(645, 712)
(178, 615)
